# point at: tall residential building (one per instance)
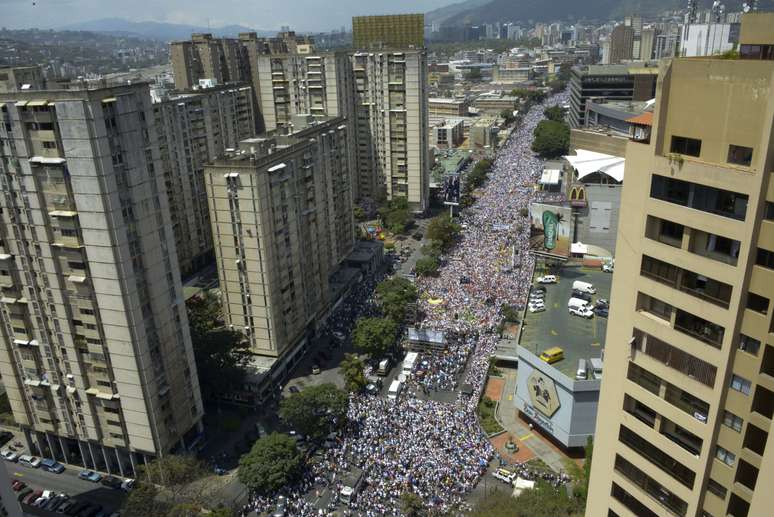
(281, 212)
(205, 57)
(708, 39)
(194, 128)
(388, 31)
(16, 78)
(685, 416)
(391, 124)
(621, 44)
(647, 43)
(95, 352)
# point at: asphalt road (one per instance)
(67, 482)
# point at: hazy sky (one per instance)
(258, 14)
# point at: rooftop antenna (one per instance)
(692, 6)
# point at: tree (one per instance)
(141, 502)
(443, 230)
(316, 410)
(273, 462)
(427, 266)
(169, 486)
(412, 505)
(555, 113)
(353, 368)
(358, 213)
(510, 313)
(374, 336)
(395, 295)
(507, 115)
(396, 216)
(432, 249)
(552, 139)
(221, 354)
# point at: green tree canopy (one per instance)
(552, 139)
(396, 216)
(353, 370)
(170, 485)
(412, 505)
(555, 113)
(427, 266)
(395, 294)
(443, 230)
(141, 501)
(374, 336)
(316, 410)
(272, 463)
(432, 249)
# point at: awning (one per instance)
(643, 119)
(5, 256)
(6, 299)
(109, 99)
(589, 162)
(92, 391)
(30, 382)
(21, 342)
(21, 104)
(63, 213)
(76, 279)
(105, 396)
(46, 160)
(71, 389)
(37, 103)
(550, 177)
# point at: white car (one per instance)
(505, 475)
(9, 455)
(584, 312)
(546, 279)
(536, 308)
(607, 268)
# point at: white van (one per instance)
(29, 461)
(384, 368)
(580, 375)
(395, 389)
(577, 303)
(596, 367)
(584, 287)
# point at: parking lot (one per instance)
(579, 337)
(108, 499)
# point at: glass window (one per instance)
(768, 211)
(748, 344)
(685, 145)
(732, 421)
(740, 155)
(741, 384)
(757, 303)
(716, 488)
(725, 456)
(765, 258)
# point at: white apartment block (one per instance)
(95, 351)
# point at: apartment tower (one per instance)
(281, 213)
(95, 352)
(685, 413)
(193, 128)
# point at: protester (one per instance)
(438, 450)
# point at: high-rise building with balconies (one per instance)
(95, 352)
(684, 425)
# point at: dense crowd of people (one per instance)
(433, 449)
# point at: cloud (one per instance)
(260, 14)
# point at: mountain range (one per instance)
(157, 30)
(480, 11)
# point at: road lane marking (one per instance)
(526, 437)
(17, 474)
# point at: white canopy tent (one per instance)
(588, 162)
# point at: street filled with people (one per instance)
(435, 449)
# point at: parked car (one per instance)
(537, 307)
(601, 311)
(127, 485)
(582, 295)
(9, 455)
(607, 267)
(32, 497)
(24, 493)
(29, 461)
(371, 389)
(18, 486)
(601, 302)
(583, 312)
(547, 279)
(538, 289)
(50, 465)
(111, 481)
(505, 475)
(552, 355)
(90, 475)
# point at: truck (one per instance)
(584, 287)
(351, 483)
(410, 361)
(395, 388)
(384, 367)
(577, 303)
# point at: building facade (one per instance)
(281, 213)
(96, 355)
(193, 128)
(388, 31)
(684, 424)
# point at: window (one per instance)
(76, 265)
(765, 258)
(748, 344)
(732, 421)
(768, 211)
(87, 311)
(741, 384)
(716, 488)
(700, 197)
(739, 155)
(725, 456)
(67, 232)
(49, 145)
(685, 145)
(675, 358)
(652, 487)
(657, 456)
(757, 303)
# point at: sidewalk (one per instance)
(507, 414)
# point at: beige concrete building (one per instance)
(447, 107)
(684, 421)
(17, 78)
(281, 212)
(194, 128)
(391, 124)
(205, 57)
(95, 352)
